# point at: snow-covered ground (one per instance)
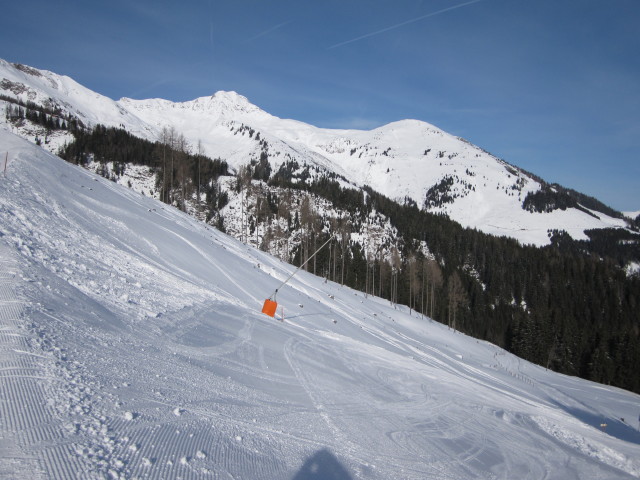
(132, 346)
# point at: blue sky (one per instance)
(552, 86)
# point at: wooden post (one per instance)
(6, 160)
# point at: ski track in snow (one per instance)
(131, 346)
(20, 372)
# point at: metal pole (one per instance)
(273, 297)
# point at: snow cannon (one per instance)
(269, 307)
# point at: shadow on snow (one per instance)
(615, 427)
(323, 465)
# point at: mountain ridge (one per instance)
(222, 102)
(404, 159)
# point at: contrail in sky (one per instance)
(398, 25)
(268, 31)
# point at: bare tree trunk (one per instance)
(457, 297)
(335, 259)
(366, 277)
(315, 237)
(373, 277)
(432, 299)
(342, 267)
(200, 154)
(380, 282)
(171, 140)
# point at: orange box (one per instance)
(269, 307)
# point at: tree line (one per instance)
(183, 177)
(51, 119)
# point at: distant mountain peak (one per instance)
(228, 101)
(230, 97)
(220, 104)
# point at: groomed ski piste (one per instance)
(132, 346)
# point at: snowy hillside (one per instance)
(632, 215)
(132, 346)
(406, 159)
(49, 89)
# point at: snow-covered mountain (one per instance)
(408, 159)
(132, 346)
(632, 215)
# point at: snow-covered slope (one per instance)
(49, 89)
(632, 215)
(405, 159)
(132, 346)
